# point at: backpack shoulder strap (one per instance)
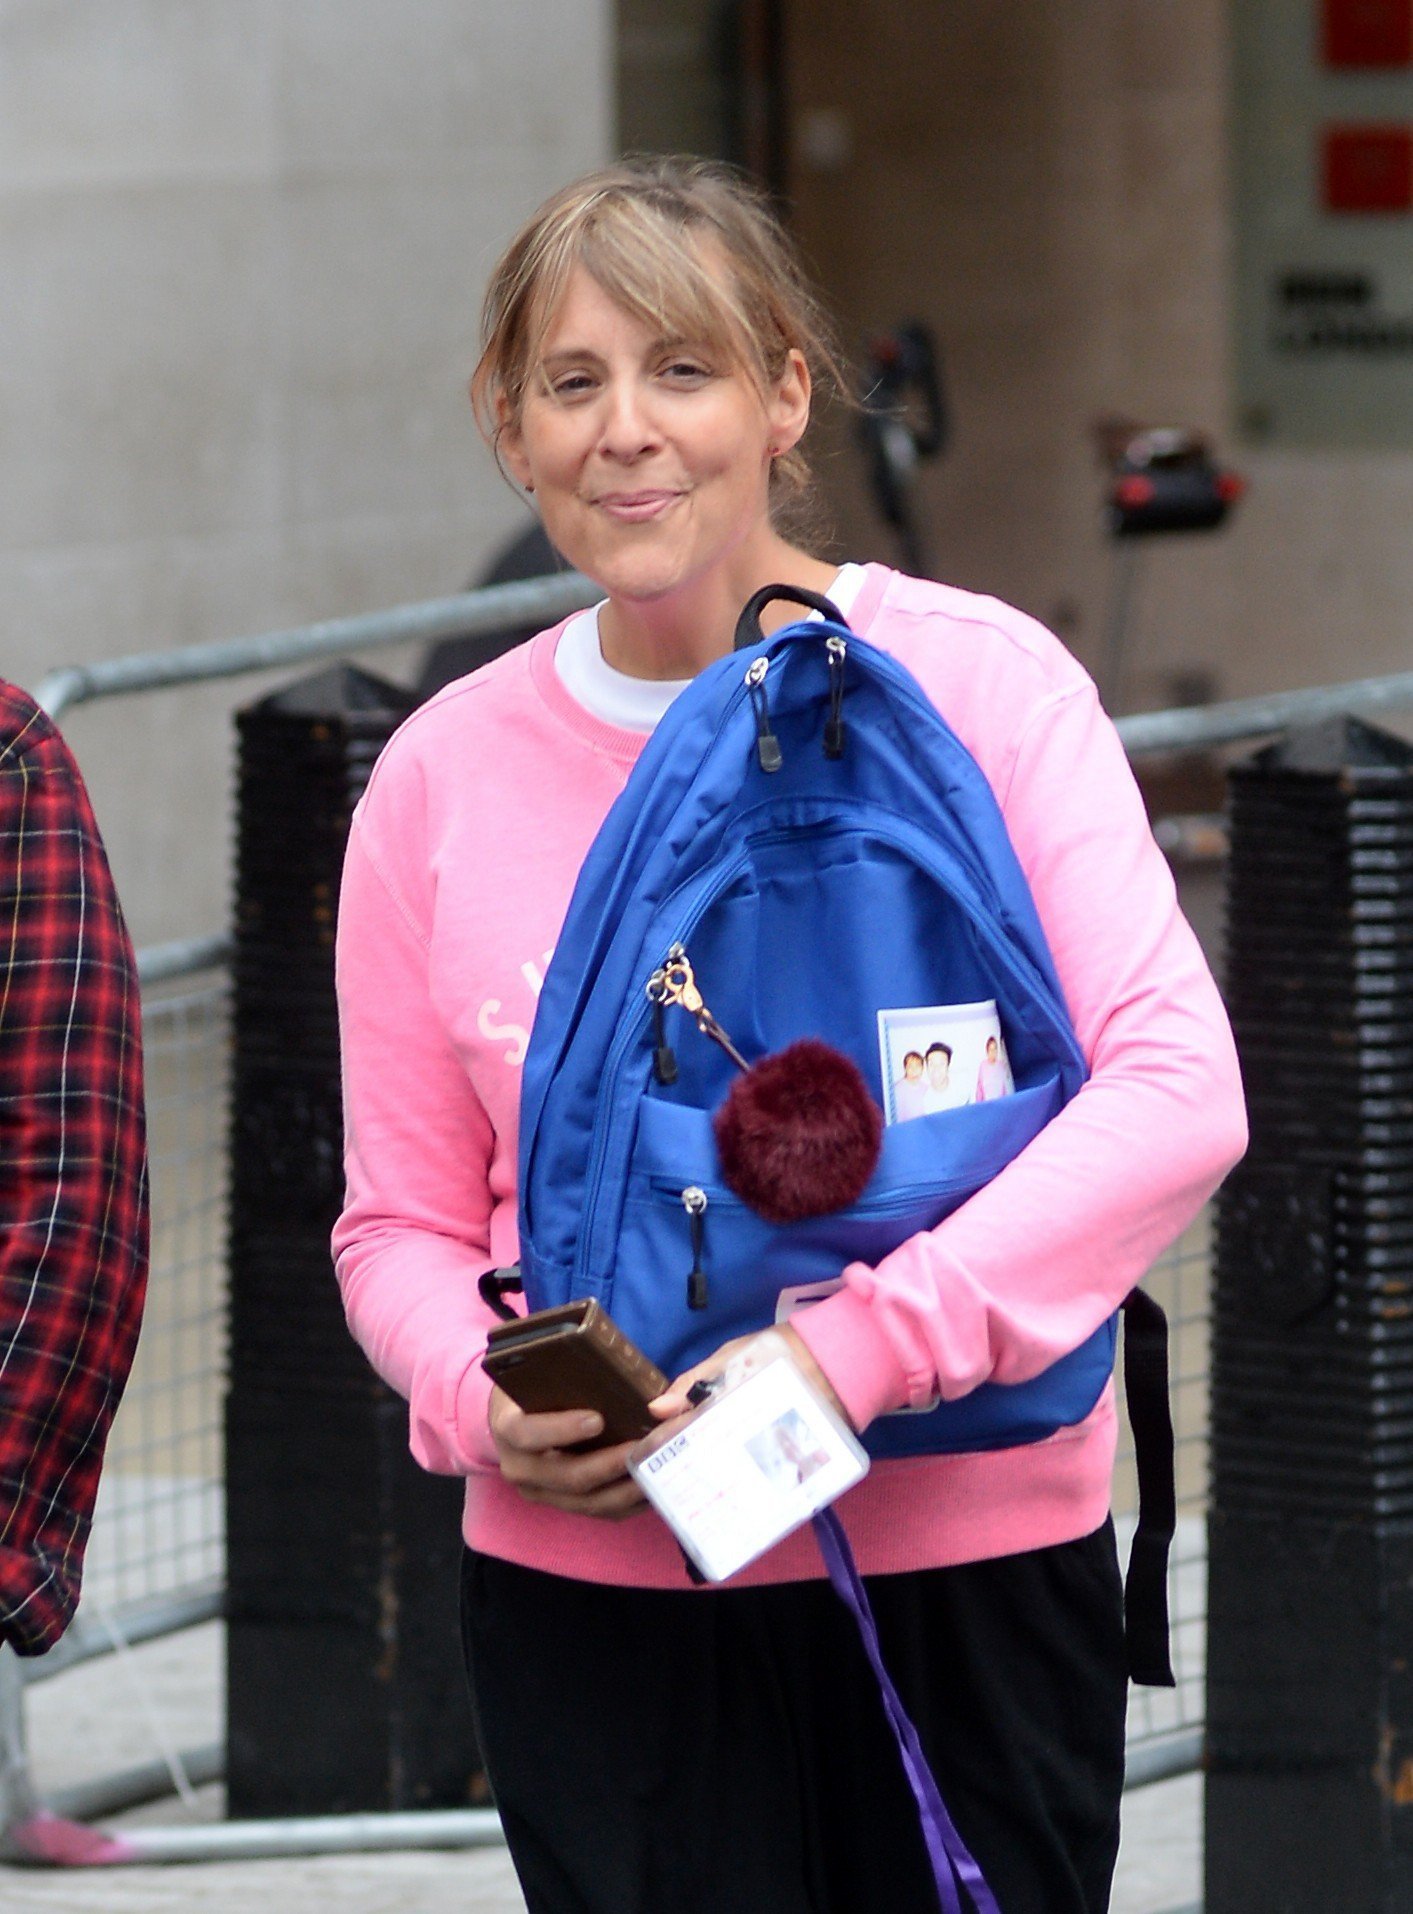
(1150, 1418)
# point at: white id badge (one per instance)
(757, 1460)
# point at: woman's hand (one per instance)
(534, 1457)
(534, 1450)
(674, 1402)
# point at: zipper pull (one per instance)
(679, 986)
(767, 744)
(694, 1201)
(834, 723)
(664, 1059)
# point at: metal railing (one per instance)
(156, 1562)
(528, 602)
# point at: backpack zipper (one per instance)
(664, 1056)
(694, 1201)
(891, 675)
(836, 651)
(621, 1050)
(725, 719)
(767, 744)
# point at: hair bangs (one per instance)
(662, 271)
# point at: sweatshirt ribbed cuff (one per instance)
(472, 1417)
(843, 1336)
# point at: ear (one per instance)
(789, 405)
(510, 446)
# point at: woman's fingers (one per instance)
(513, 1428)
(612, 1502)
(594, 1484)
(676, 1398)
(536, 1457)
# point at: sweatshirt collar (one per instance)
(611, 739)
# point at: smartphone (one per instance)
(576, 1357)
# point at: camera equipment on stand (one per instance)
(904, 421)
(1160, 479)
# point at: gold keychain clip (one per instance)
(676, 983)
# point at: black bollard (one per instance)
(345, 1691)
(1309, 1791)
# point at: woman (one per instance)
(993, 1077)
(650, 355)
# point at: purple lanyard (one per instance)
(952, 1861)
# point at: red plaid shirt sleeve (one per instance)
(73, 1181)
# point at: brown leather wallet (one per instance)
(576, 1357)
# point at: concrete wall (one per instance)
(1048, 185)
(242, 247)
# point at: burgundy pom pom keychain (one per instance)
(798, 1133)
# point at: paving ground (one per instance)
(110, 1715)
(337, 1884)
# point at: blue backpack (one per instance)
(811, 888)
(808, 828)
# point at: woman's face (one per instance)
(649, 458)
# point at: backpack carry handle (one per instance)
(748, 631)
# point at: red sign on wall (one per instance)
(1368, 169)
(1365, 33)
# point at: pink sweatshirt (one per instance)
(460, 865)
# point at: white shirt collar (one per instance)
(636, 704)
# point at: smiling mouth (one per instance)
(636, 507)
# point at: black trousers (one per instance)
(722, 1752)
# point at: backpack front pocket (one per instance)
(696, 1267)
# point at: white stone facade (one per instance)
(242, 248)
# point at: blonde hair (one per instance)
(645, 229)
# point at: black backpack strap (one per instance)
(1150, 1418)
(495, 1285)
(748, 631)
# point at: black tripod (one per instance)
(904, 421)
